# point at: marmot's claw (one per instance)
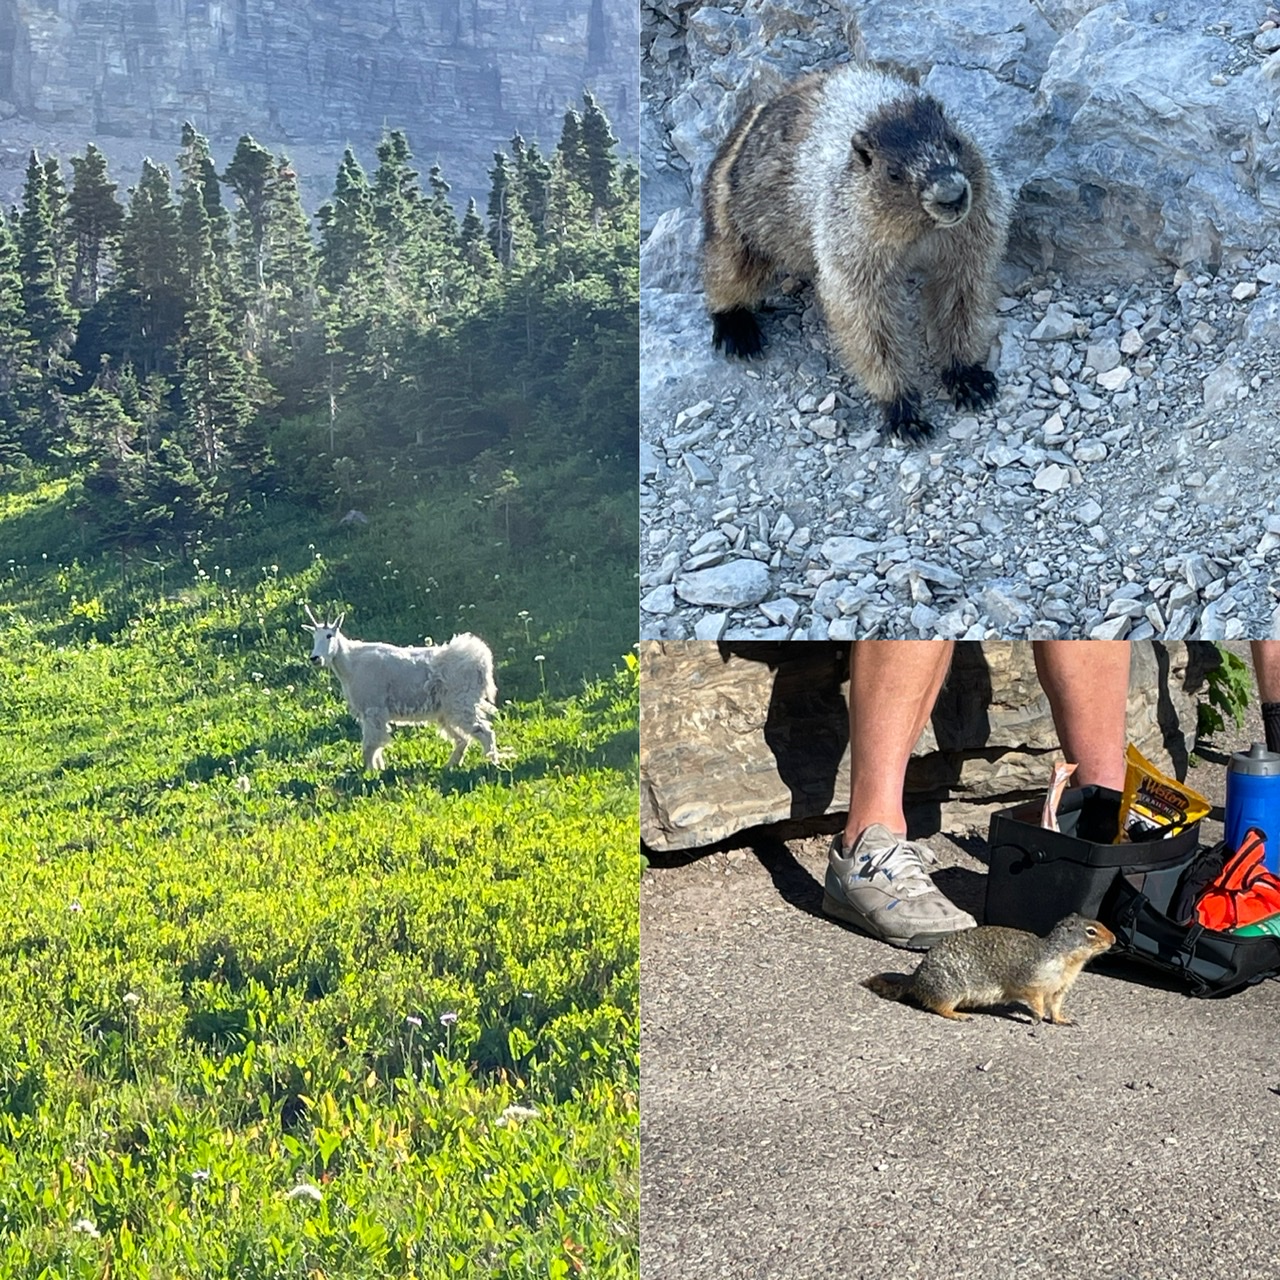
(737, 332)
(970, 385)
(903, 420)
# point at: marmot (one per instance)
(855, 179)
(991, 965)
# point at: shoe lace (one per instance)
(904, 863)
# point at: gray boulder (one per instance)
(1138, 135)
(739, 734)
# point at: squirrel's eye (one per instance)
(895, 174)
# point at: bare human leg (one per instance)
(1087, 684)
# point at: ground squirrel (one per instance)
(992, 965)
(856, 180)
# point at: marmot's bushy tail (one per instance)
(892, 986)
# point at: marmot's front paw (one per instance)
(904, 421)
(737, 332)
(969, 385)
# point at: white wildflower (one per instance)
(514, 1112)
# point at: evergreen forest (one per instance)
(196, 362)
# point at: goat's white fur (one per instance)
(449, 685)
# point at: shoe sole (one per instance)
(832, 906)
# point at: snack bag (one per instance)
(1057, 785)
(1153, 804)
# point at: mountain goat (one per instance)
(449, 685)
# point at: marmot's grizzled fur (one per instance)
(855, 180)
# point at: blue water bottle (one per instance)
(1253, 800)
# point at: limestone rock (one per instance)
(739, 734)
(307, 78)
(1107, 119)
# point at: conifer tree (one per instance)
(600, 167)
(397, 198)
(214, 391)
(56, 194)
(473, 242)
(504, 207)
(346, 226)
(533, 175)
(95, 217)
(570, 149)
(19, 374)
(249, 176)
(197, 167)
(289, 323)
(446, 220)
(148, 293)
(49, 317)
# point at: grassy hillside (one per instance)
(262, 1014)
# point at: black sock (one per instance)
(1271, 723)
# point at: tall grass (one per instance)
(262, 1014)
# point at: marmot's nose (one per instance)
(951, 191)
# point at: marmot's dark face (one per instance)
(917, 165)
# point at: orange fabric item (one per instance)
(1245, 892)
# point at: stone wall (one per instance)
(735, 735)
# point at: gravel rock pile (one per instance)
(1124, 486)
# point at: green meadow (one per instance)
(262, 1014)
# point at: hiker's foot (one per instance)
(883, 887)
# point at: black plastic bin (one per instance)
(1037, 876)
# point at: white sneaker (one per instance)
(881, 885)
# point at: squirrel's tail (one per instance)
(892, 986)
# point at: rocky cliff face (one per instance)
(308, 76)
(1138, 135)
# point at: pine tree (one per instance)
(503, 207)
(213, 379)
(19, 374)
(442, 211)
(533, 174)
(397, 198)
(598, 142)
(473, 242)
(346, 226)
(572, 153)
(249, 176)
(148, 293)
(196, 164)
(49, 317)
(568, 191)
(56, 195)
(288, 322)
(95, 217)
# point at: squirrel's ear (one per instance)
(860, 145)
